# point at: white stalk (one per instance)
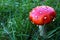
(42, 30)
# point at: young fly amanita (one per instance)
(42, 15)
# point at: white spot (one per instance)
(45, 17)
(54, 19)
(36, 16)
(33, 11)
(40, 12)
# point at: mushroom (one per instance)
(42, 15)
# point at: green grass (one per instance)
(15, 23)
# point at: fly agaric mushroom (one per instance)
(41, 15)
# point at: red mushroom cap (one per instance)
(42, 15)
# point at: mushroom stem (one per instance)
(42, 30)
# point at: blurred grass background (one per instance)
(15, 23)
